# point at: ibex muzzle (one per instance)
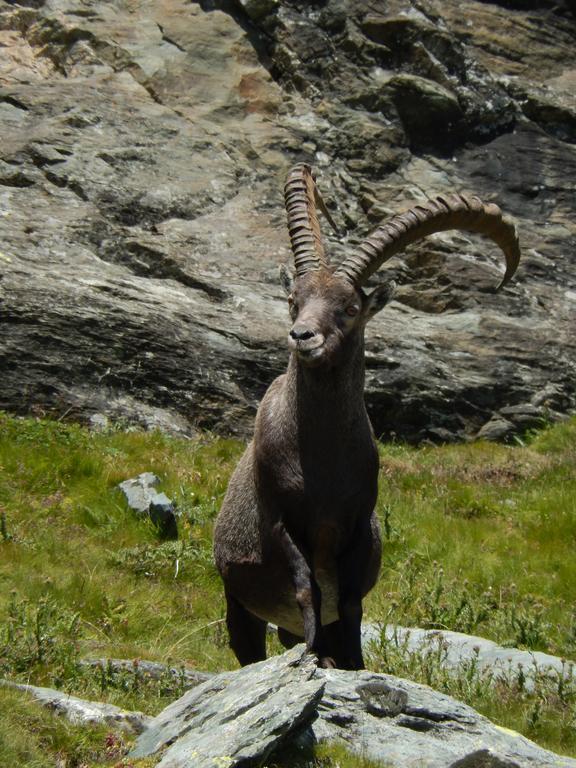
(297, 540)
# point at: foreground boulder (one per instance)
(407, 725)
(239, 718)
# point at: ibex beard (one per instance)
(297, 540)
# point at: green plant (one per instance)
(173, 560)
(6, 537)
(38, 635)
(527, 623)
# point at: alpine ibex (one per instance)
(297, 540)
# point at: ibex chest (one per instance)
(340, 482)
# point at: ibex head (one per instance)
(327, 304)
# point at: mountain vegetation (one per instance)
(478, 538)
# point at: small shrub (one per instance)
(5, 536)
(43, 634)
(167, 560)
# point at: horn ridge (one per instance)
(442, 213)
(300, 196)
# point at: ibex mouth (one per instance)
(310, 355)
(308, 350)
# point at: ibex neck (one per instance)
(329, 397)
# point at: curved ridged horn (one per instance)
(300, 196)
(437, 215)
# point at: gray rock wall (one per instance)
(143, 156)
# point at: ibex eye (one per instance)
(352, 311)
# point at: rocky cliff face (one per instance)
(144, 149)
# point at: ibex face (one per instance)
(328, 313)
(325, 310)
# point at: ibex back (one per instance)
(297, 539)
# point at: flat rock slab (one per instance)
(407, 725)
(80, 711)
(236, 717)
(459, 648)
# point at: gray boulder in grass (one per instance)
(142, 496)
(82, 712)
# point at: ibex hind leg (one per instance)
(247, 632)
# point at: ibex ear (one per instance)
(378, 299)
(286, 279)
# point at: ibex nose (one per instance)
(301, 333)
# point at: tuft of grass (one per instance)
(477, 538)
(323, 755)
(34, 737)
(543, 709)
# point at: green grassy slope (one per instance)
(477, 538)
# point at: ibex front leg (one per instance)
(357, 570)
(308, 596)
